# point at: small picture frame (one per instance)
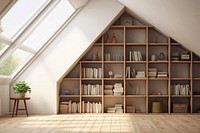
(126, 21)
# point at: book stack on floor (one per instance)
(162, 75)
(152, 72)
(117, 109)
(91, 107)
(140, 74)
(108, 90)
(118, 89)
(69, 107)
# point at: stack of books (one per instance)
(108, 89)
(92, 89)
(140, 74)
(181, 89)
(185, 56)
(116, 109)
(135, 56)
(92, 72)
(64, 107)
(152, 72)
(118, 89)
(162, 75)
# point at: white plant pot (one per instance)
(21, 95)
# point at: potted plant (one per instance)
(21, 88)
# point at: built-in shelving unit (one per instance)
(126, 58)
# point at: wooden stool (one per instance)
(17, 102)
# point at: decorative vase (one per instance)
(161, 56)
(114, 39)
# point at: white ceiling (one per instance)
(179, 19)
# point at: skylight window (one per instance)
(13, 62)
(18, 15)
(18, 18)
(49, 25)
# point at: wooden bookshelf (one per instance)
(148, 41)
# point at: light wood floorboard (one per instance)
(105, 123)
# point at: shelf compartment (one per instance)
(135, 79)
(158, 62)
(135, 62)
(77, 96)
(91, 62)
(158, 95)
(181, 96)
(158, 79)
(91, 78)
(158, 44)
(135, 44)
(135, 96)
(71, 79)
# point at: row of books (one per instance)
(181, 89)
(91, 107)
(135, 56)
(134, 74)
(116, 109)
(69, 107)
(114, 57)
(92, 72)
(92, 89)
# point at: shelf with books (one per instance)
(91, 96)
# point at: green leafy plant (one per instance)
(21, 87)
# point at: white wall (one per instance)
(50, 66)
(178, 19)
(4, 94)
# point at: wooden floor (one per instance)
(85, 123)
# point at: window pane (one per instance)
(3, 47)
(49, 25)
(18, 15)
(13, 62)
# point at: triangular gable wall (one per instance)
(108, 61)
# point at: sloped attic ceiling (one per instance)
(179, 19)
